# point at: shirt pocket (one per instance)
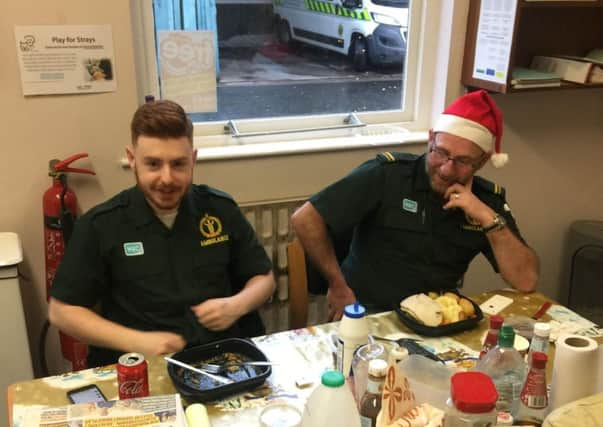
(210, 274)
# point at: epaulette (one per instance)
(216, 192)
(394, 157)
(489, 186)
(115, 202)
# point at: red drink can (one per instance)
(132, 376)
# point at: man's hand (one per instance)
(460, 196)
(338, 296)
(217, 314)
(157, 342)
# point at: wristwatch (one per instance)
(498, 223)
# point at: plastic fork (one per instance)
(211, 375)
(213, 368)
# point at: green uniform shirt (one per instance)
(147, 276)
(403, 242)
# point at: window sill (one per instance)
(368, 137)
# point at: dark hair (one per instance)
(161, 119)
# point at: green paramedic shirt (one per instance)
(403, 242)
(147, 277)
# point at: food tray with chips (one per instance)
(231, 351)
(441, 330)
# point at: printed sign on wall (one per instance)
(59, 59)
(187, 69)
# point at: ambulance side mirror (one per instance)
(352, 4)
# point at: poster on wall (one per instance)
(187, 69)
(61, 59)
(494, 36)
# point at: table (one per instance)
(305, 351)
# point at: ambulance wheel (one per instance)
(284, 32)
(359, 53)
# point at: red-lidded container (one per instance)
(132, 376)
(472, 402)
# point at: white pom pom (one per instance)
(499, 159)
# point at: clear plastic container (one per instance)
(428, 380)
(472, 401)
(360, 364)
(331, 404)
(540, 340)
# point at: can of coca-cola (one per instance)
(132, 376)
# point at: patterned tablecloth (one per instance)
(297, 353)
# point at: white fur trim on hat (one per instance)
(499, 159)
(468, 129)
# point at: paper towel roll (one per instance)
(196, 416)
(575, 370)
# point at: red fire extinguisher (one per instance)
(60, 208)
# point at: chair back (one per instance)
(298, 285)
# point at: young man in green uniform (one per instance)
(418, 221)
(172, 264)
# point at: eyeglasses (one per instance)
(441, 155)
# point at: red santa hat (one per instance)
(475, 116)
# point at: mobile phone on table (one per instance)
(86, 394)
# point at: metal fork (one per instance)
(216, 369)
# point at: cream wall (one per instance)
(554, 140)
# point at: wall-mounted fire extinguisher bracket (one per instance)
(60, 209)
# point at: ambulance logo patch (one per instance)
(133, 249)
(410, 205)
(211, 228)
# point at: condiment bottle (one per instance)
(370, 403)
(472, 401)
(331, 404)
(353, 332)
(540, 339)
(507, 369)
(492, 337)
(534, 400)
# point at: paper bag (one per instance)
(397, 399)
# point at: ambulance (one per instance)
(369, 31)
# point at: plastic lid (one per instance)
(542, 329)
(506, 336)
(355, 311)
(539, 360)
(377, 368)
(496, 321)
(332, 379)
(473, 392)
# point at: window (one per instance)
(299, 64)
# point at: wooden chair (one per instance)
(298, 285)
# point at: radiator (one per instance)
(271, 222)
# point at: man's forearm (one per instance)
(256, 292)
(517, 263)
(311, 230)
(90, 328)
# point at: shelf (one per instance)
(540, 28)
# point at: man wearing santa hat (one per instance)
(417, 221)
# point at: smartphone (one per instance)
(86, 394)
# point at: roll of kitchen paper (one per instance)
(575, 370)
(196, 416)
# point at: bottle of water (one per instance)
(507, 369)
(331, 404)
(540, 340)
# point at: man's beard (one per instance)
(151, 193)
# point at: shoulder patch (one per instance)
(394, 157)
(489, 186)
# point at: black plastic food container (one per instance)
(438, 331)
(254, 376)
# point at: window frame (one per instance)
(430, 24)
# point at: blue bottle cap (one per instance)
(355, 311)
